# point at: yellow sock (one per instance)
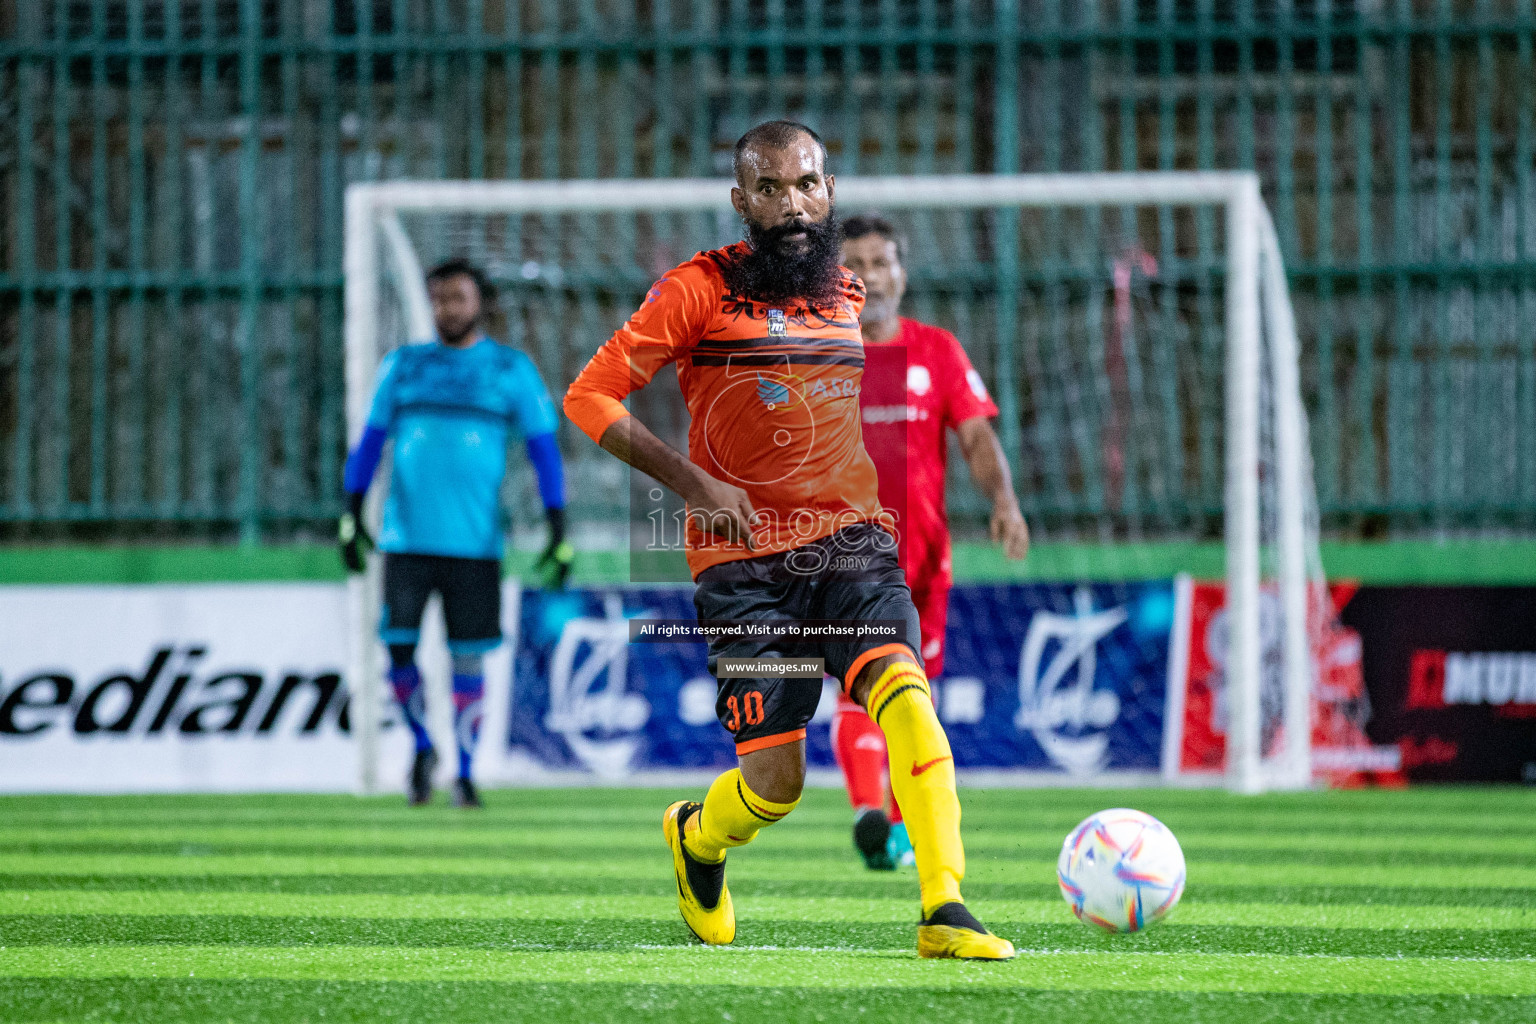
(731, 817)
(922, 778)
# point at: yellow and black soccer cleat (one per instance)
(701, 892)
(952, 932)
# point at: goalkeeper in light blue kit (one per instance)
(452, 407)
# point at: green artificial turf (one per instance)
(559, 905)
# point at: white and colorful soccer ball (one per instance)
(1121, 870)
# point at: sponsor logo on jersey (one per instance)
(919, 380)
(777, 327)
(771, 393)
(893, 414)
(840, 387)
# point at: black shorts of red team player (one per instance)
(851, 576)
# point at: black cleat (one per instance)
(419, 788)
(871, 831)
(464, 794)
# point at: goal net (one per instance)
(1136, 333)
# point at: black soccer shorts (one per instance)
(852, 576)
(471, 593)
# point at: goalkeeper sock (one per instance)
(922, 778)
(467, 691)
(732, 816)
(406, 682)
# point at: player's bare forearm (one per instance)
(632, 443)
(719, 505)
(983, 455)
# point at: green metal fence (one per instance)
(171, 175)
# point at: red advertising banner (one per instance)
(1342, 752)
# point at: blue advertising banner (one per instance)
(1057, 676)
(1068, 678)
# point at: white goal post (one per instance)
(1256, 296)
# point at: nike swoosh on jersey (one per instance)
(918, 769)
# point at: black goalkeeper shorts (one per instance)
(471, 593)
(851, 576)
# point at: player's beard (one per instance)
(457, 332)
(458, 338)
(773, 271)
(878, 310)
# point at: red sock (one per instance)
(859, 746)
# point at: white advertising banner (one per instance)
(201, 688)
(174, 688)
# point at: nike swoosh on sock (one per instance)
(918, 769)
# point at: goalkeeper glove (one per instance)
(352, 535)
(554, 565)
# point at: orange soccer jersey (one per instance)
(773, 396)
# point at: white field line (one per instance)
(840, 909)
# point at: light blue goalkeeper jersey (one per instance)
(452, 414)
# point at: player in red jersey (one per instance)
(918, 384)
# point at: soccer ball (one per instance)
(1121, 870)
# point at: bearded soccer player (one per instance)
(918, 385)
(782, 500)
(452, 405)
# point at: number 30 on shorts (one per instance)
(748, 710)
